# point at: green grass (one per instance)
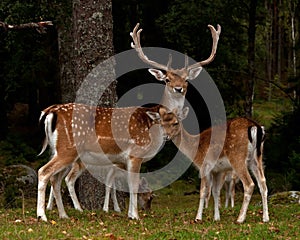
(172, 217)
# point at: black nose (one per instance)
(167, 138)
(178, 89)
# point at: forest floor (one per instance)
(172, 217)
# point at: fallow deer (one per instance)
(99, 136)
(145, 194)
(174, 96)
(242, 149)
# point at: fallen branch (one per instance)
(39, 26)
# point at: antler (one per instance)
(215, 36)
(137, 46)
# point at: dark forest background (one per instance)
(256, 69)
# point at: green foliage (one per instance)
(11, 197)
(294, 166)
(15, 150)
(285, 197)
(277, 181)
(282, 148)
(30, 59)
(267, 113)
(185, 29)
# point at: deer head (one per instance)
(169, 120)
(175, 79)
(145, 195)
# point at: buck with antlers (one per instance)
(242, 149)
(60, 130)
(176, 80)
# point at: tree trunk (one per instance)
(86, 39)
(251, 59)
(268, 44)
(293, 38)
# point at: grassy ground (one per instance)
(171, 218)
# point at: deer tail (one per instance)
(47, 125)
(256, 136)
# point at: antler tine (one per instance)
(136, 44)
(136, 36)
(215, 36)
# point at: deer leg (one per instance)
(258, 172)
(227, 193)
(70, 179)
(133, 167)
(204, 188)
(51, 199)
(114, 191)
(216, 188)
(208, 195)
(56, 181)
(232, 191)
(54, 166)
(43, 178)
(115, 199)
(107, 192)
(109, 184)
(248, 190)
(51, 195)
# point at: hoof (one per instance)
(198, 220)
(238, 222)
(42, 218)
(79, 209)
(266, 220)
(64, 217)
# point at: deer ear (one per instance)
(153, 115)
(159, 75)
(144, 186)
(194, 72)
(183, 113)
(144, 182)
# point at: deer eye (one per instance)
(167, 80)
(176, 123)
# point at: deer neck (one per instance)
(172, 100)
(188, 144)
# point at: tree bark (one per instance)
(86, 39)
